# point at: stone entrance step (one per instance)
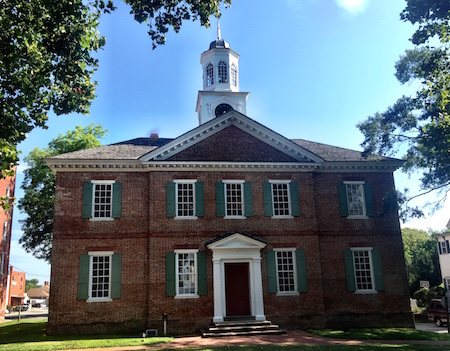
(241, 327)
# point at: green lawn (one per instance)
(29, 335)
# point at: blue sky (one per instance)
(314, 69)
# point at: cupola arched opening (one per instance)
(209, 75)
(223, 76)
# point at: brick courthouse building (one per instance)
(229, 219)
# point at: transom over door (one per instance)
(237, 289)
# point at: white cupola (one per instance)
(220, 91)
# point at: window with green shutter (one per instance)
(102, 200)
(234, 199)
(355, 200)
(363, 270)
(286, 271)
(281, 199)
(186, 273)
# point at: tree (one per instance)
(421, 258)
(31, 284)
(39, 188)
(420, 124)
(47, 57)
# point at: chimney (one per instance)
(154, 136)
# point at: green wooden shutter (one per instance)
(448, 246)
(170, 274)
(268, 205)
(220, 199)
(350, 270)
(202, 287)
(248, 199)
(272, 285)
(117, 200)
(377, 270)
(343, 204)
(439, 248)
(301, 271)
(199, 200)
(83, 278)
(171, 203)
(116, 276)
(368, 195)
(295, 201)
(87, 200)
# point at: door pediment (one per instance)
(235, 241)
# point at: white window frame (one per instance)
(288, 182)
(294, 271)
(446, 282)
(185, 181)
(233, 70)
(372, 275)
(93, 254)
(443, 247)
(209, 77)
(241, 182)
(94, 184)
(363, 196)
(177, 275)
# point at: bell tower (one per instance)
(220, 92)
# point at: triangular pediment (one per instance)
(235, 241)
(232, 137)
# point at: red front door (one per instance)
(237, 289)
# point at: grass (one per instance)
(382, 334)
(30, 336)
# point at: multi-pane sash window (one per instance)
(233, 75)
(186, 273)
(102, 200)
(355, 198)
(5, 229)
(286, 271)
(2, 262)
(223, 76)
(443, 247)
(280, 193)
(209, 75)
(100, 276)
(234, 199)
(185, 199)
(363, 270)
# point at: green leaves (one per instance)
(39, 187)
(419, 125)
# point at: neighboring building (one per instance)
(39, 293)
(444, 255)
(227, 220)
(7, 186)
(17, 282)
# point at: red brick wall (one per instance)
(144, 234)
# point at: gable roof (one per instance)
(154, 153)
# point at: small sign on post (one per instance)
(424, 284)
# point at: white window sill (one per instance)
(282, 217)
(361, 292)
(108, 299)
(186, 217)
(181, 297)
(357, 217)
(104, 219)
(235, 217)
(289, 293)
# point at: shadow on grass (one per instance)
(382, 334)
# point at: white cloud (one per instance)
(353, 6)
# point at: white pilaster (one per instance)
(217, 283)
(259, 306)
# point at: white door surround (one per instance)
(237, 248)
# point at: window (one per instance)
(8, 193)
(286, 273)
(5, 229)
(281, 199)
(100, 276)
(2, 263)
(355, 199)
(233, 75)
(223, 76)
(234, 199)
(363, 270)
(443, 247)
(102, 200)
(209, 75)
(186, 273)
(185, 199)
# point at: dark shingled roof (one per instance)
(135, 148)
